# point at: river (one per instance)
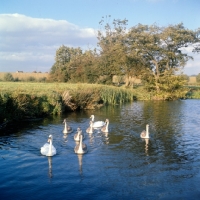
(118, 165)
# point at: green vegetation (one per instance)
(193, 93)
(29, 100)
(151, 53)
(32, 100)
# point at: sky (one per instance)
(32, 30)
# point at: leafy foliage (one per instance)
(152, 53)
(8, 77)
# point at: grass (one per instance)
(108, 94)
(20, 100)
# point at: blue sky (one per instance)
(32, 30)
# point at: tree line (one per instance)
(152, 53)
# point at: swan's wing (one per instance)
(98, 124)
(76, 148)
(44, 149)
(53, 150)
(143, 133)
(69, 128)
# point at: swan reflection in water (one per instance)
(106, 138)
(80, 158)
(50, 166)
(146, 146)
(65, 137)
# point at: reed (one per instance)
(194, 93)
(28, 100)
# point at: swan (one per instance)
(145, 133)
(67, 129)
(77, 135)
(105, 127)
(80, 148)
(48, 149)
(97, 124)
(90, 129)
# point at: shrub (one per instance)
(8, 77)
(31, 79)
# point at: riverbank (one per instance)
(25, 100)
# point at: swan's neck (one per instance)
(107, 126)
(80, 149)
(147, 131)
(93, 118)
(91, 127)
(50, 147)
(78, 135)
(65, 126)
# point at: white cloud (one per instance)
(193, 65)
(28, 43)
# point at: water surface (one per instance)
(118, 165)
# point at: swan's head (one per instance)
(79, 131)
(92, 116)
(50, 138)
(64, 121)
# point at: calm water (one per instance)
(119, 165)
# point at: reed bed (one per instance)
(28, 100)
(107, 94)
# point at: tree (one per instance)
(66, 62)
(113, 57)
(159, 50)
(8, 77)
(198, 78)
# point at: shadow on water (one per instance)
(118, 164)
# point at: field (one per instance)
(109, 94)
(25, 75)
(19, 100)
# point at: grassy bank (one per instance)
(19, 100)
(29, 100)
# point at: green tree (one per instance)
(66, 61)
(113, 52)
(159, 50)
(8, 77)
(198, 78)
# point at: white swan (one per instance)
(90, 129)
(105, 127)
(97, 124)
(77, 135)
(80, 148)
(48, 149)
(145, 133)
(67, 129)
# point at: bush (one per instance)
(8, 77)
(198, 78)
(31, 79)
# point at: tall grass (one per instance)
(27, 100)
